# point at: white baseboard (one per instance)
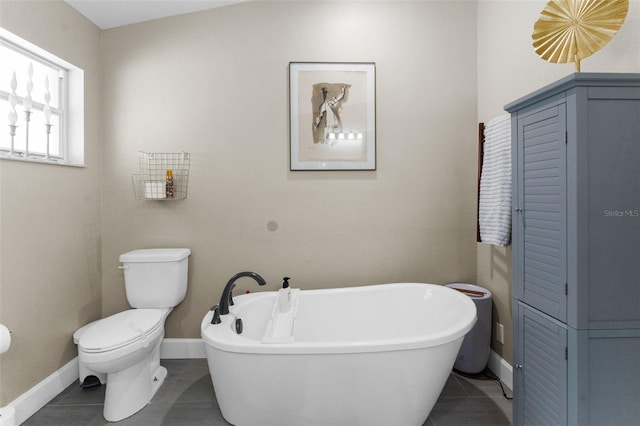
(501, 368)
(27, 404)
(182, 349)
(38, 396)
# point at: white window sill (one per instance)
(39, 160)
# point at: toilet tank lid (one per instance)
(155, 255)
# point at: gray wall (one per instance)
(50, 217)
(215, 84)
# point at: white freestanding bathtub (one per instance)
(373, 355)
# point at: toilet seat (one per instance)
(120, 330)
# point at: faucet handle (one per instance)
(285, 282)
(216, 314)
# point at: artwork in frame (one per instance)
(333, 120)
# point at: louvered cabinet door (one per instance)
(540, 215)
(540, 397)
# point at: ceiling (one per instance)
(115, 13)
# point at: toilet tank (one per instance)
(155, 278)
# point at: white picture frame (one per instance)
(332, 116)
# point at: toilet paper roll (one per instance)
(5, 339)
(8, 416)
(155, 190)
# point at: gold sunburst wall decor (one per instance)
(571, 30)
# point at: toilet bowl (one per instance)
(123, 350)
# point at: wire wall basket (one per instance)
(163, 176)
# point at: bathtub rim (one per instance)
(224, 338)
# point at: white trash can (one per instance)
(474, 352)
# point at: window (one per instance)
(41, 105)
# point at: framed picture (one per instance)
(333, 116)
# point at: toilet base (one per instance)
(130, 390)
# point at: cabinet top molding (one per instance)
(578, 79)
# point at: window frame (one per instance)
(70, 107)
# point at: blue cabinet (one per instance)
(576, 251)
(541, 348)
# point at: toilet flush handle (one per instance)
(123, 267)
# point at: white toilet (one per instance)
(123, 350)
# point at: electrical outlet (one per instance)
(500, 333)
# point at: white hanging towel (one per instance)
(495, 183)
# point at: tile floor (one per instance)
(187, 398)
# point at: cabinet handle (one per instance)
(518, 210)
(519, 366)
